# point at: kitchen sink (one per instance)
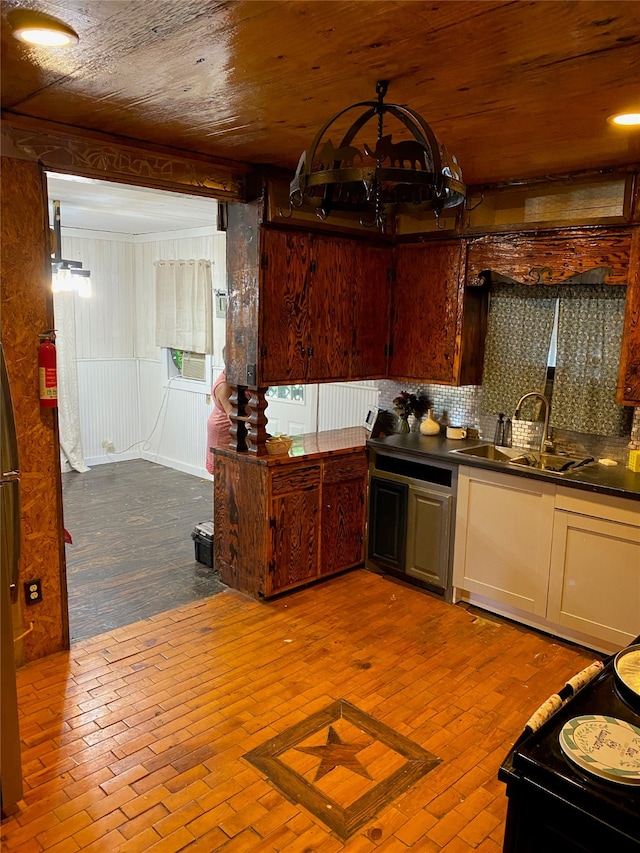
(556, 463)
(486, 451)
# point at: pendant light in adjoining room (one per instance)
(66, 275)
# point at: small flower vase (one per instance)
(403, 424)
(414, 423)
(430, 425)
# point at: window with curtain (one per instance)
(587, 353)
(517, 344)
(184, 305)
(590, 321)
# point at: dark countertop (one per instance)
(616, 480)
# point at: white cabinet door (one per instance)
(503, 539)
(595, 577)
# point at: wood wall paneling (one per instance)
(629, 377)
(27, 310)
(243, 265)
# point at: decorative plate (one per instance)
(627, 668)
(607, 747)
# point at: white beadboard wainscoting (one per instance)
(345, 404)
(108, 406)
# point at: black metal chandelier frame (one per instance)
(432, 181)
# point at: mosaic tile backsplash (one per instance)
(461, 407)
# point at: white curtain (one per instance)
(184, 305)
(68, 405)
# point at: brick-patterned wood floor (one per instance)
(136, 740)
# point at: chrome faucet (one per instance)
(545, 441)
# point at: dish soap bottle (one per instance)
(498, 438)
(429, 425)
(507, 438)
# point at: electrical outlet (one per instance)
(33, 591)
(108, 445)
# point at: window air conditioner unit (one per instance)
(193, 366)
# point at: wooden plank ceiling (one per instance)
(514, 89)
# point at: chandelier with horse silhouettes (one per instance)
(408, 174)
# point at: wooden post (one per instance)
(257, 420)
(238, 417)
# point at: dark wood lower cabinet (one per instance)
(281, 523)
(344, 492)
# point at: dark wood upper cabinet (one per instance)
(331, 284)
(371, 311)
(437, 327)
(307, 307)
(284, 322)
(300, 304)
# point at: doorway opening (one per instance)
(133, 430)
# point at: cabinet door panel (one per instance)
(343, 520)
(595, 577)
(330, 307)
(387, 523)
(426, 299)
(428, 536)
(371, 311)
(283, 316)
(503, 539)
(295, 523)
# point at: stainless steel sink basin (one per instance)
(552, 462)
(556, 463)
(485, 451)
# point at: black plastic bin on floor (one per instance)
(203, 538)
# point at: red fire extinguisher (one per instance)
(47, 372)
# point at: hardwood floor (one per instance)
(132, 554)
(149, 737)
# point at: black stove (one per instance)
(553, 803)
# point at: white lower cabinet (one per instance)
(503, 538)
(562, 560)
(594, 584)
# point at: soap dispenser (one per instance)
(498, 438)
(507, 437)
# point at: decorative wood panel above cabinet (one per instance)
(550, 258)
(614, 256)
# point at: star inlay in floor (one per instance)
(343, 765)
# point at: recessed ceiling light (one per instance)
(37, 28)
(625, 119)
